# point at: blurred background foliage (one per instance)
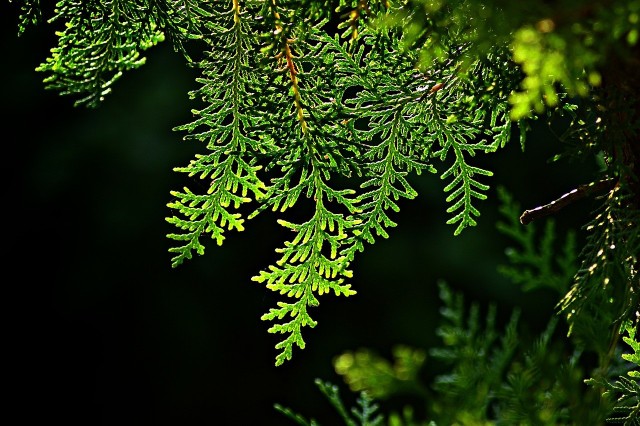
(103, 331)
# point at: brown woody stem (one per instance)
(569, 198)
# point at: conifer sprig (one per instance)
(624, 391)
(99, 42)
(605, 288)
(30, 14)
(309, 264)
(224, 124)
(322, 107)
(336, 105)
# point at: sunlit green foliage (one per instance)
(625, 390)
(605, 289)
(323, 107)
(509, 377)
(322, 112)
(30, 14)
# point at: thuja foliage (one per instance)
(486, 374)
(495, 379)
(328, 109)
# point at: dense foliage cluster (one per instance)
(328, 107)
(502, 377)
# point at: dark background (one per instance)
(102, 331)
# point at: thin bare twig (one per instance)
(569, 198)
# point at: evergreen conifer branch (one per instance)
(625, 390)
(605, 289)
(306, 151)
(309, 264)
(286, 99)
(30, 14)
(180, 20)
(225, 125)
(337, 105)
(290, 104)
(99, 42)
(478, 362)
(521, 387)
